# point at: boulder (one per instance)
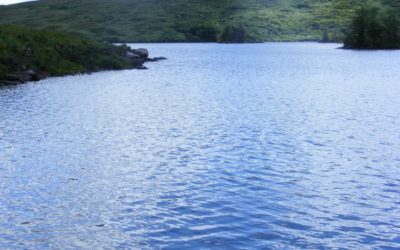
(26, 76)
(19, 76)
(136, 62)
(7, 82)
(131, 55)
(143, 53)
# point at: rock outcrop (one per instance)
(143, 53)
(137, 57)
(25, 76)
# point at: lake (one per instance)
(253, 146)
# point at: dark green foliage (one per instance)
(233, 34)
(3, 71)
(391, 34)
(55, 53)
(204, 33)
(373, 27)
(325, 37)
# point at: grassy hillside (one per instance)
(31, 54)
(187, 20)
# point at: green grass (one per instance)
(55, 53)
(177, 20)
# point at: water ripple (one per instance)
(270, 146)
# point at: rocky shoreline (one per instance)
(136, 57)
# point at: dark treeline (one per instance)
(214, 33)
(374, 27)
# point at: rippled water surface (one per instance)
(222, 146)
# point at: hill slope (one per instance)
(186, 20)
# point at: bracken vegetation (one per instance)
(55, 54)
(190, 20)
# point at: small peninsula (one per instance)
(32, 55)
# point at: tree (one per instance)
(391, 35)
(373, 27)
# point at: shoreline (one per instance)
(32, 55)
(136, 57)
(250, 42)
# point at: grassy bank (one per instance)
(44, 53)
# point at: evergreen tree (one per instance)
(391, 35)
(373, 28)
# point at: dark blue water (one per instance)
(257, 146)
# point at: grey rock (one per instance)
(143, 53)
(155, 59)
(141, 67)
(131, 55)
(136, 62)
(19, 77)
(25, 76)
(7, 82)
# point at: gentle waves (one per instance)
(291, 145)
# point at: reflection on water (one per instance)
(233, 146)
